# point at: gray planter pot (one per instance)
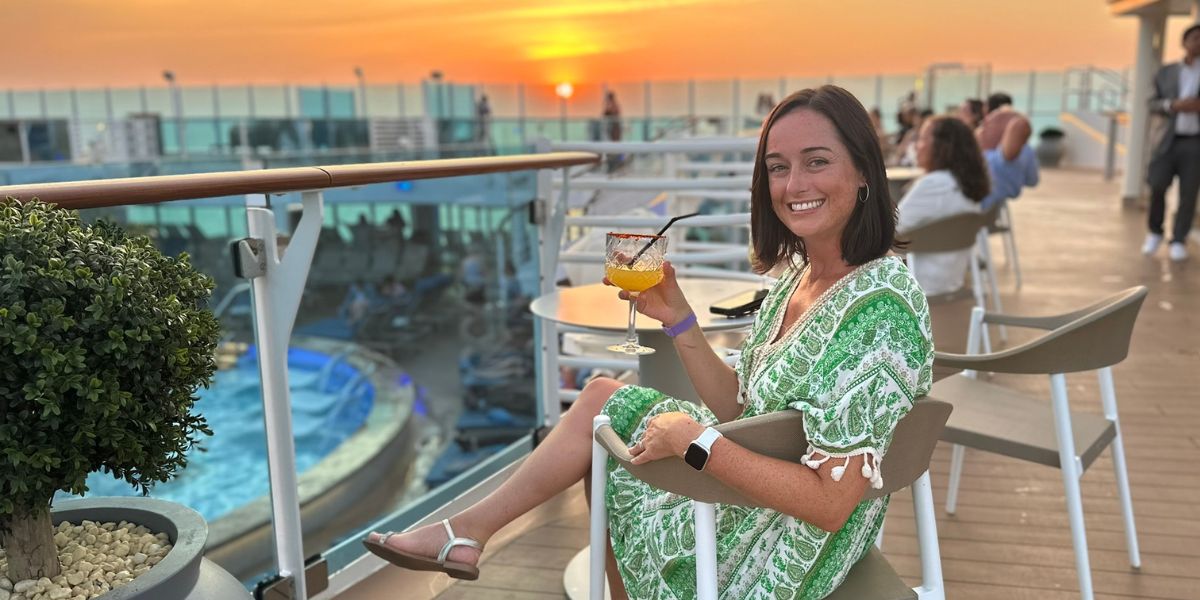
(184, 574)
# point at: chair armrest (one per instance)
(962, 362)
(1047, 322)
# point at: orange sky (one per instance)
(93, 43)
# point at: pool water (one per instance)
(330, 402)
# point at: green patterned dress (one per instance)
(854, 362)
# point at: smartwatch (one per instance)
(697, 452)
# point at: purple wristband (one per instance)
(681, 326)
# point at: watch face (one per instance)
(696, 456)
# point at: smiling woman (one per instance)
(843, 338)
(819, 179)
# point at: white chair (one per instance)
(781, 435)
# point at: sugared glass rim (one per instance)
(635, 236)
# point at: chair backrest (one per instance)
(1084, 340)
(781, 435)
(956, 232)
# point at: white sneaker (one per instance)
(1178, 251)
(1150, 246)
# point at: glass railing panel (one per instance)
(125, 101)
(25, 104)
(423, 292)
(864, 87)
(234, 100)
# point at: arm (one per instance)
(810, 495)
(715, 381)
(1159, 103)
(1016, 135)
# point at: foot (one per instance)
(1153, 240)
(1178, 251)
(428, 541)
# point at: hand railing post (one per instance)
(276, 296)
(550, 223)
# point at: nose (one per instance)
(797, 183)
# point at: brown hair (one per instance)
(956, 150)
(871, 231)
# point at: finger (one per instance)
(606, 281)
(637, 449)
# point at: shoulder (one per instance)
(886, 294)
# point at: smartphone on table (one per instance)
(739, 305)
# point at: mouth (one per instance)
(800, 207)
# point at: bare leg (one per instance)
(558, 463)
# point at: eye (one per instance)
(776, 168)
(818, 162)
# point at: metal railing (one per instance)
(278, 280)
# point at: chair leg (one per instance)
(974, 331)
(993, 287)
(598, 535)
(706, 550)
(956, 463)
(932, 586)
(1108, 396)
(1010, 246)
(1071, 472)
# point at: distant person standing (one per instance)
(1177, 152)
(483, 118)
(612, 117)
(1004, 137)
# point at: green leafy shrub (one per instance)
(103, 344)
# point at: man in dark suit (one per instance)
(1177, 151)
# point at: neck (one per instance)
(825, 259)
(1189, 59)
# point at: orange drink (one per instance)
(631, 279)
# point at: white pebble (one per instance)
(138, 558)
(5, 594)
(24, 585)
(5, 584)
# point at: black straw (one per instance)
(660, 232)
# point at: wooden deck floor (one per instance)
(1010, 537)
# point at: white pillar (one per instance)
(1149, 59)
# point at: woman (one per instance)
(843, 337)
(956, 181)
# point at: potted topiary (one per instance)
(105, 342)
(1050, 149)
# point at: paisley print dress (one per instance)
(853, 363)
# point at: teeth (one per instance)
(798, 206)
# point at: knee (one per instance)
(593, 396)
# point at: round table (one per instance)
(597, 307)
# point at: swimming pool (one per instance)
(330, 402)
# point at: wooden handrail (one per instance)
(149, 190)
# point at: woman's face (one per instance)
(925, 146)
(813, 181)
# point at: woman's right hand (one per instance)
(664, 302)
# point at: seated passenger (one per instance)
(954, 183)
(1004, 138)
(843, 337)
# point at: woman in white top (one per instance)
(955, 182)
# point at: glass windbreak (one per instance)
(410, 363)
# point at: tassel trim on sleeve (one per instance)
(873, 473)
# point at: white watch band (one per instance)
(707, 438)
